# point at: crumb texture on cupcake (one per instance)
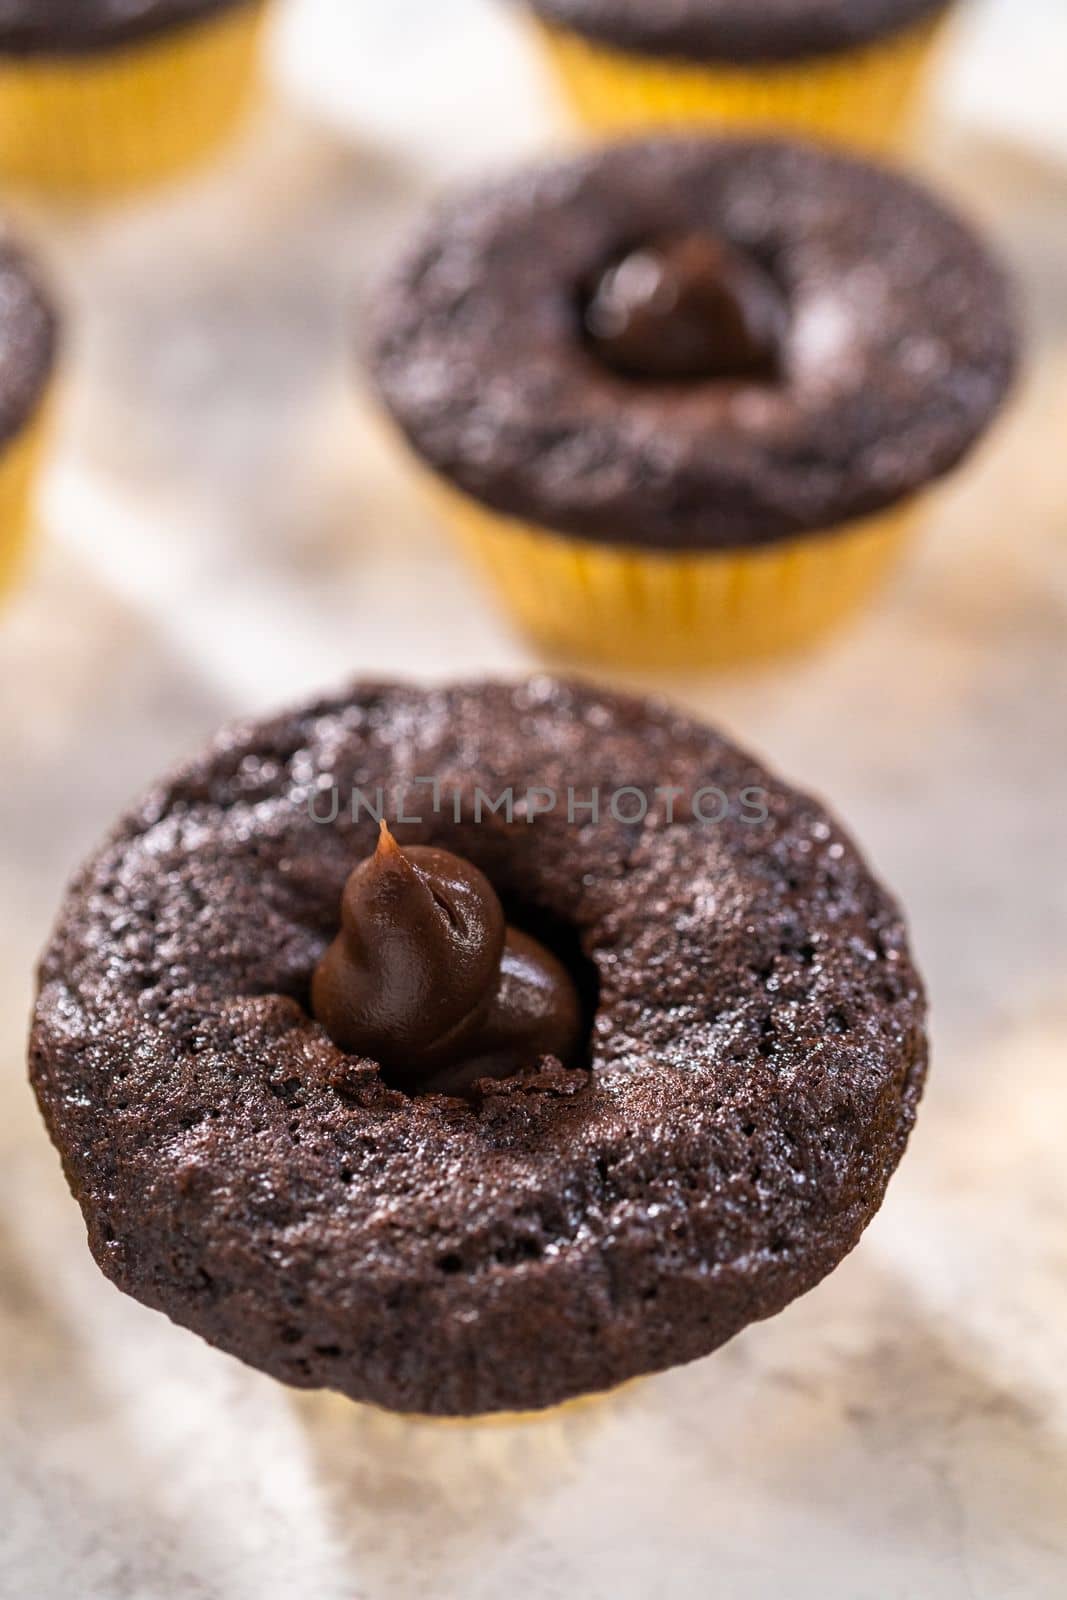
(755, 1055)
(737, 31)
(898, 346)
(28, 338)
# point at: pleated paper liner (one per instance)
(103, 122)
(863, 97)
(622, 606)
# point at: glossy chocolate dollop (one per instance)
(688, 307)
(426, 978)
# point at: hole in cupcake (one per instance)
(286, 1090)
(767, 1039)
(686, 308)
(517, 1252)
(433, 978)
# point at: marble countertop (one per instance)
(224, 527)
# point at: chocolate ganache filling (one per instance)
(687, 307)
(427, 979)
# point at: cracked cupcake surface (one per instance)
(756, 1051)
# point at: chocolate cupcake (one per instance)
(28, 341)
(601, 1044)
(98, 95)
(685, 396)
(847, 69)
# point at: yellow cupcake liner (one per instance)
(99, 123)
(563, 1411)
(862, 96)
(622, 606)
(19, 460)
(520, 1450)
(563, 1415)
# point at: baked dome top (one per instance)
(899, 347)
(756, 1054)
(738, 31)
(28, 337)
(62, 27)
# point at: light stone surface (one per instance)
(225, 527)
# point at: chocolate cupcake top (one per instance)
(737, 31)
(28, 338)
(62, 27)
(849, 341)
(753, 1046)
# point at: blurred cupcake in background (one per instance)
(683, 399)
(104, 95)
(28, 338)
(847, 69)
